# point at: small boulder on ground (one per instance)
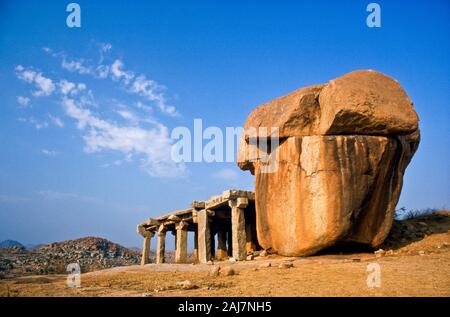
(227, 271)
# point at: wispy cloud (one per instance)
(57, 195)
(44, 85)
(38, 124)
(152, 91)
(118, 73)
(48, 152)
(153, 145)
(139, 137)
(140, 85)
(56, 121)
(76, 66)
(23, 101)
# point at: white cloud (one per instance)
(138, 137)
(67, 87)
(23, 101)
(153, 92)
(56, 121)
(117, 71)
(127, 115)
(105, 47)
(140, 85)
(38, 124)
(153, 145)
(76, 66)
(102, 71)
(56, 195)
(44, 85)
(48, 152)
(227, 174)
(141, 105)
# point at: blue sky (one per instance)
(86, 113)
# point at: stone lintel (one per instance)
(240, 202)
(144, 232)
(174, 218)
(198, 205)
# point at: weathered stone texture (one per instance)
(343, 151)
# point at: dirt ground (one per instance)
(421, 268)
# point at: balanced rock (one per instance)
(336, 171)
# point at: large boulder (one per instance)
(337, 170)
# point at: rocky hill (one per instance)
(8, 244)
(91, 253)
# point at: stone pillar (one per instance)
(161, 247)
(239, 237)
(195, 253)
(204, 237)
(222, 244)
(181, 238)
(146, 247)
(250, 245)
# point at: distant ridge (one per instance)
(91, 253)
(7, 244)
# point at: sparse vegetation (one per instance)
(402, 213)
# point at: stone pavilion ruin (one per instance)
(230, 217)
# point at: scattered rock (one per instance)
(186, 284)
(421, 253)
(265, 265)
(285, 265)
(263, 253)
(249, 257)
(227, 271)
(379, 253)
(214, 271)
